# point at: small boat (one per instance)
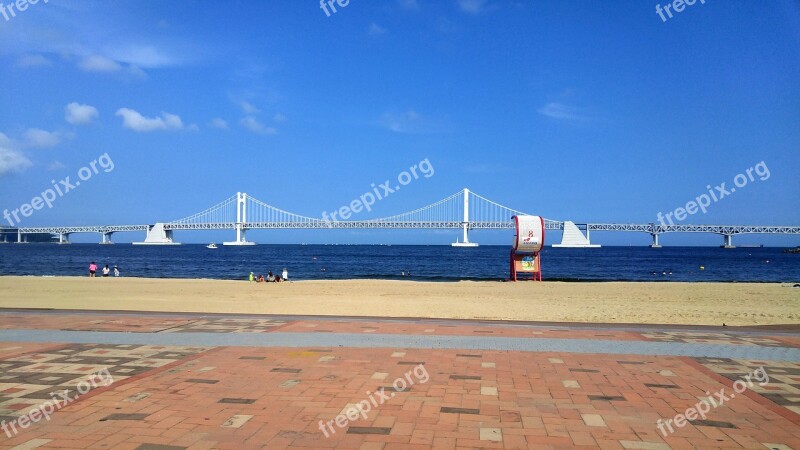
(211, 245)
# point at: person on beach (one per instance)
(92, 269)
(252, 277)
(106, 271)
(285, 274)
(270, 277)
(116, 271)
(260, 279)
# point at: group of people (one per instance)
(106, 270)
(284, 276)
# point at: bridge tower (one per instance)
(465, 225)
(241, 221)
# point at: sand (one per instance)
(613, 302)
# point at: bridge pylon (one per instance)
(241, 221)
(465, 225)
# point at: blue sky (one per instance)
(582, 111)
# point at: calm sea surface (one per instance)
(308, 262)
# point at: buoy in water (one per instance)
(702, 267)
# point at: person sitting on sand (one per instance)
(116, 271)
(270, 277)
(106, 270)
(251, 278)
(261, 278)
(278, 279)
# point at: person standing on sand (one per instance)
(92, 269)
(285, 274)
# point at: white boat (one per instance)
(211, 245)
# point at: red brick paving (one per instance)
(233, 397)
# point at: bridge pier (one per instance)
(63, 238)
(728, 243)
(655, 243)
(21, 238)
(157, 235)
(106, 239)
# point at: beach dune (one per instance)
(608, 302)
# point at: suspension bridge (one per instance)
(464, 210)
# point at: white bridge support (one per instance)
(465, 225)
(728, 242)
(63, 238)
(106, 239)
(241, 221)
(655, 243)
(573, 238)
(157, 235)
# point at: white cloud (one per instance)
(219, 123)
(278, 117)
(133, 120)
(102, 64)
(42, 138)
(376, 30)
(248, 108)
(561, 111)
(252, 124)
(26, 61)
(78, 114)
(12, 161)
(97, 63)
(472, 6)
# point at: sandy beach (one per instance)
(614, 302)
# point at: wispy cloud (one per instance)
(561, 111)
(219, 123)
(410, 122)
(409, 4)
(472, 6)
(56, 165)
(252, 124)
(376, 30)
(28, 61)
(78, 114)
(135, 121)
(38, 138)
(249, 108)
